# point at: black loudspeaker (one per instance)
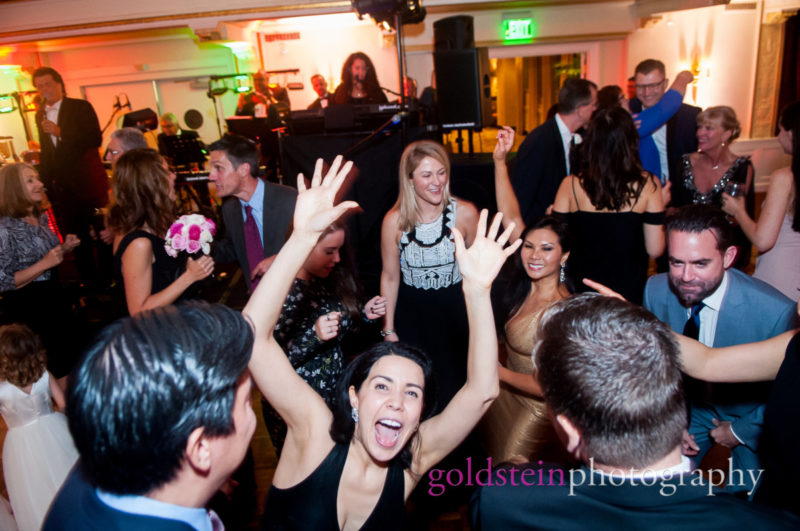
(463, 88)
(454, 33)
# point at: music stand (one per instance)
(184, 150)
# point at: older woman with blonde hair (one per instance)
(714, 169)
(29, 254)
(420, 278)
(140, 214)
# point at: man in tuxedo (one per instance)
(704, 298)
(543, 159)
(256, 214)
(70, 165)
(611, 377)
(321, 88)
(678, 136)
(160, 413)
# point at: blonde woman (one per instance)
(420, 278)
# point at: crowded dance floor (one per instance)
(387, 265)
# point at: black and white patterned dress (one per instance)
(431, 313)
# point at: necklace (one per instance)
(714, 165)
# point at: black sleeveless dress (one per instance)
(165, 268)
(311, 504)
(609, 247)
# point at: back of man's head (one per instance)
(574, 93)
(130, 138)
(238, 149)
(612, 369)
(699, 218)
(147, 383)
(650, 65)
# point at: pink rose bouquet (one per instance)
(191, 233)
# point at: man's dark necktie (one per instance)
(692, 327)
(252, 241)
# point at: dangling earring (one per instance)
(354, 414)
(562, 276)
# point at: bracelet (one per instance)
(385, 333)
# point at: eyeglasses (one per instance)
(649, 87)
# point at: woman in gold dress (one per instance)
(516, 427)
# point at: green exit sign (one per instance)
(517, 29)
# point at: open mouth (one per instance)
(387, 432)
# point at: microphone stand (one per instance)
(394, 120)
(117, 109)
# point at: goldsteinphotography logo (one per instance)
(668, 481)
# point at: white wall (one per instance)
(324, 44)
(724, 41)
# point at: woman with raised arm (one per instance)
(776, 235)
(323, 306)
(354, 468)
(420, 278)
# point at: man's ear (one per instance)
(198, 451)
(243, 169)
(730, 256)
(574, 438)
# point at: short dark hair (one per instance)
(612, 368)
(47, 71)
(701, 217)
(343, 426)
(239, 149)
(146, 383)
(131, 138)
(574, 93)
(648, 65)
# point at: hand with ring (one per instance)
(327, 326)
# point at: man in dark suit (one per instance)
(543, 159)
(233, 161)
(70, 164)
(611, 377)
(160, 413)
(678, 136)
(702, 296)
(321, 88)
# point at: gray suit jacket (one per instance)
(278, 211)
(751, 311)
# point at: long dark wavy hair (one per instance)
(611, 174)
(790, 121)
(509, 293)
(371, 85)
(355, 374)
(140, 193)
